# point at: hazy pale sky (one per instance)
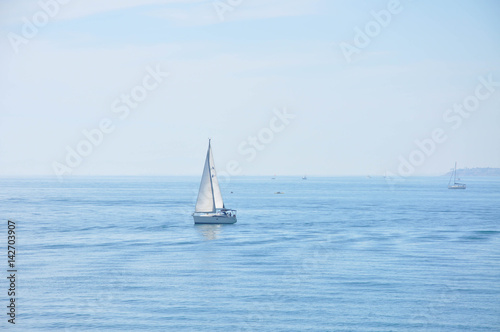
(287, 87)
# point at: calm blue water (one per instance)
(331, 254)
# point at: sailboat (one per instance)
(210, 207)
(455, 184)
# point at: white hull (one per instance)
(457, 186)
(213, 219)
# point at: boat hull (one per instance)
(214, 219)
(457, 186)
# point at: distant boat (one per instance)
(455, 184)
(279, 193)
(304, 177)
(210, 207)
(274, 177)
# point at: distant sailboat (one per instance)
(210, 207)
(455, 184)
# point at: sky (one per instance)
(316, 87)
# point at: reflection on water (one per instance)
(209, 232)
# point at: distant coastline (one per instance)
(478, 171)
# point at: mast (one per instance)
(210, 175)
(455, 174)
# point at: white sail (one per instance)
(209, 195)
(455, 184)
(219, 204)
(205, 202)
(210, 207)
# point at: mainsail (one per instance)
(209, 195)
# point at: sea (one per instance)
(328, 254)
